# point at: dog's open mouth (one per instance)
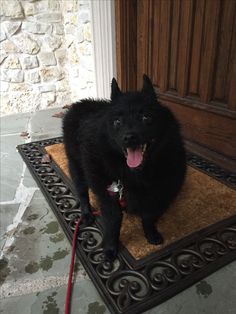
(134, 156)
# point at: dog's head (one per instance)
(135, 121)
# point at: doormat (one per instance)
(199, 231)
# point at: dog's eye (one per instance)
(117, 123)
(146, 119)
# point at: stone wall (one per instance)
(46, 54)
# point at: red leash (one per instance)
(69, 284)
(68, 290)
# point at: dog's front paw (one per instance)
(155, 238)
(88, 218)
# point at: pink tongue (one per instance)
(135, 157)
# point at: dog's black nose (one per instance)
(130, 139)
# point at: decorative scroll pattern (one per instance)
(125, 288)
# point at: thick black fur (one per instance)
(96, 134)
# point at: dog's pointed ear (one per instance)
(147, 84)
(115, 90)
(148, 88)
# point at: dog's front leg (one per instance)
(112, 219)
(82, 196)
(151, 233)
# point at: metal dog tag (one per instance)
(114, 187)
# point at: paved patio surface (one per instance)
(35, 253)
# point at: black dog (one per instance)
(132, 139)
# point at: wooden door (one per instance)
(188, 48)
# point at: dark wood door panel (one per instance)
(126, 43)
(188, 48)
(195, 59)
(224, 52)
(206, 128)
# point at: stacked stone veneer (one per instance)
(46, 54)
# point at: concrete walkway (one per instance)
(35, 254)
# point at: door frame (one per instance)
(104, 45)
